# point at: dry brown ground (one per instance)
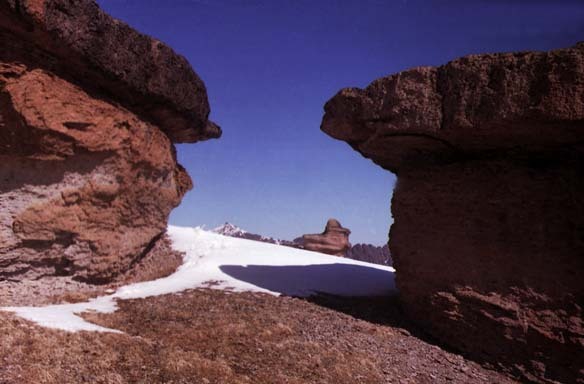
(207, 336)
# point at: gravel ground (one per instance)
(208, 336)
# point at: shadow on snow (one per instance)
(308, 280)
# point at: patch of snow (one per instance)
(215, 261)
(64, 316)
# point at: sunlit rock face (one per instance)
(333, 241)
(488, 233)
(87, 163)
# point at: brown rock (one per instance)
(88, 175)
(86, 185)
(79, 42)
(476, 104)
(488, 233)
(334, 240)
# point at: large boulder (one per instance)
(79, 42)
(333, 241)
(89, 111)
(488, 233)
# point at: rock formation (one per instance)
(89, 112)
(488, 233)
(334, 240)
(370, 254)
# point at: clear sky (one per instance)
(269, 67)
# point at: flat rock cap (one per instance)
(97, 52)
(490, 103)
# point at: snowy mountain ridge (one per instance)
(229, 229)
(233, 230)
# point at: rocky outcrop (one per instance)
(89, 111)
(370, 253)
(488, 233)
(82, 44)
(334, 240)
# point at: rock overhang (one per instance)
(487, 232)
(86, 46)
(478, 105)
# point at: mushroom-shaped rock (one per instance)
(89, 112)
(488, 230)
(334, 240)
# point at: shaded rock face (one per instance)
(488, 233)
(87, 179)
(333, 241)
(370, 254)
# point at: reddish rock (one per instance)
(334, 240)
(88, 166)
(476, 104)
(79, 42)
(488, 233)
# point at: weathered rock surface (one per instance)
(488, 233)
(81, 43)
(159, 261)
(89, 110)
(333, 241)
(480, 104)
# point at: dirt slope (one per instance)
(207, 336)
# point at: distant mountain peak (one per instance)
(233, 230)
(229, 229)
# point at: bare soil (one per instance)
(207, 336)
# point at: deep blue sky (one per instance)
(269, 67)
